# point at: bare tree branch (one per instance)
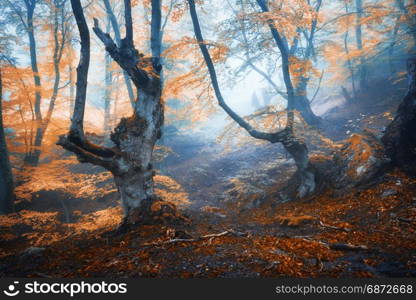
(83, 154)
(272, 137)
(126, 56)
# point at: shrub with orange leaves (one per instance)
(58, 175)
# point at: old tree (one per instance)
(130, 160)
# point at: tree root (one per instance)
(322, 224)
(336, 246)
(201, 238)
(156, 212)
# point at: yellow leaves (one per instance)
(288, 16)
(345, 22)
(360, 153)
(171, 191)
(219, 52)
(187, 47)
(179, 10)
(300, 68)
(295, 221)
(99, 220)
(31, 218)
(156, 206)
(213, 210)
(187, 82)
(336, 59)
(19, 109)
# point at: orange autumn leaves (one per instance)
(186, 75)
(302, 68)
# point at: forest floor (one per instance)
(368, 233)
(236, 226)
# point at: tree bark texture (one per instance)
(42, 123)
(32, 157)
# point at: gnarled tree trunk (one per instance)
(301, 102)
(130, 160)
(135, 138)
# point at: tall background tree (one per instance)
(294, 146)
(23, 15)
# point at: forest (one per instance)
(207, 139)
